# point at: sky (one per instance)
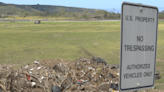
(109, 5)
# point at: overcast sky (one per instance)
(93, 4)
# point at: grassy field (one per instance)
(24, 42)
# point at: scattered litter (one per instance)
(38, 67)
(33, 83)
(154, 87)
(28, 77)
(26, 66)
(36, 62)
(157, 75)
(32, 69)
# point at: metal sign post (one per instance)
(139, 25)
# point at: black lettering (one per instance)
(140, 74)
(148, 19)
(125, 47)
(153, 20)
(132, 75)
(140, 38)
(128, 47)
(141, 19)
(139, 47)
(152, 48)
(143, 48)
(144, 19)
(138, 66)
(136, 18)
(148, 65)
(131, 18)
(134, 47)
(147, 74)
(128, 67)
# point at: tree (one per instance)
(25, 13)
(105, 14)
(84, 16)
(62, 12)
(47, 13)
(74, 15)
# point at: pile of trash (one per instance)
(81, 75)
(49, 75)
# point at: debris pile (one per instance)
(81, 75)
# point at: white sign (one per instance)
(139, 25)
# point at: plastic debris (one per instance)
(154, 87)
(55, 89)
(157, 75)
(79, 81)
(26, 66)
(28, 77)
(81, 75)
(33, 83)
(36, 62)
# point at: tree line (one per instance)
(79, 15)
(161, 15)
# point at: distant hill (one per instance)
(117, 10)
(162, 11)
(42, 8)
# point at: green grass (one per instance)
(24, 42)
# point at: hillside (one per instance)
(42, 8)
